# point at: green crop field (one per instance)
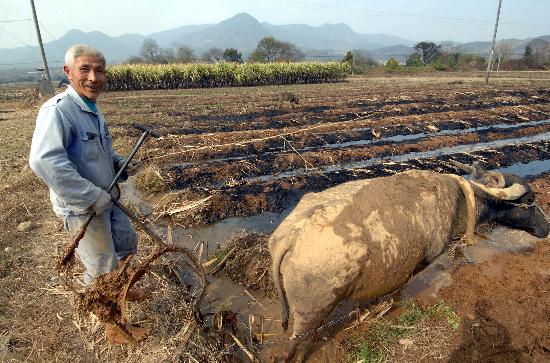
(171, 76)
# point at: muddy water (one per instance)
(468, 148)
(391, 139)
(422, 135)
(215, 234)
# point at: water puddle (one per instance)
(213, 235)
(222, 293)
(421, 135)
(467, 148)
(527, 170)
(384, 140)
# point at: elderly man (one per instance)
(72, 152)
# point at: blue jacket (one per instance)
(72, 152)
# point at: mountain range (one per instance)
(242, 32)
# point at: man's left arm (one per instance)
(118, 160)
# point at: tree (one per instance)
(135, 59)
(429, 51)
(414, 60)
(185, 55)
(167, 55)
(359, 59)
(537, 53)
(212, 55)
(232, 55)
(504, 49)
(271, 50)
(391, 65)
(149, 50)
(348, 58)
(291, 53)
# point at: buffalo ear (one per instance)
(494, 180)
(478, 172)
(489, 178)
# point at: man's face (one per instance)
(87, 76)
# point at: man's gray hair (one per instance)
(79, 50)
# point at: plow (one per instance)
(106, 296)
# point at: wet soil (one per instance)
(249, 154)
(505, 302)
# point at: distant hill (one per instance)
(399, 52)
(115, 49)
(473, 48)
(242, 31)
(169, 38)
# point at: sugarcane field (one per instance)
(228, 167)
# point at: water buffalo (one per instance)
(363, 239)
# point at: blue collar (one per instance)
(84, 103)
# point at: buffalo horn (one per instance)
(467, 168)
(513, 192)
(494, 179)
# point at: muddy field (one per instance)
(250, 153)
(229, 157)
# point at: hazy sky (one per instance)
(459, 20)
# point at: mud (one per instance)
(506, 304)
(250, 263)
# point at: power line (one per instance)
(24, 63)
(390, 14)
(14, 20)
(8, 9)
(54, 20)
(17, 39)
(54, 40)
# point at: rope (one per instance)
(250, 141)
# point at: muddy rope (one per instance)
(381, 309)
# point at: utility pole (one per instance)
(41, 47)
(489, 66)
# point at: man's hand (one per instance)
(133, 166)
(102, 203)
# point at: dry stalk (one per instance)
(220, 265)
(181, 209)
(300, 155)
(254, 299)
(380, 310)
(243, 348)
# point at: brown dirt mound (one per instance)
(250, 263)
(506, 302)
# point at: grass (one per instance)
(149, 180)
(367, 353)
(383, 335)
